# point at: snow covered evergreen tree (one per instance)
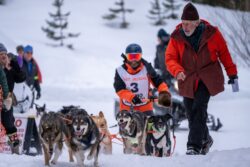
(59, 23)
(170, 5)
(157, 13)
(120, 10)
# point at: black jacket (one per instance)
(14, 75)
(159, 61)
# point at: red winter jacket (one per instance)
(201, 65)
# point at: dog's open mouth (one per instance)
(123, 124)
(79, 133)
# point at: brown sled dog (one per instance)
(53, 132)
(106, 142)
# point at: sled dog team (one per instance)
(193, 56)
(87, 135)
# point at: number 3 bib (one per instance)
(137, 83)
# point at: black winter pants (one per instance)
(197, 116)
(8, 121)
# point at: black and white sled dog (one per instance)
(85, 137)
(132, 130)
(158, 142)
(52, 132)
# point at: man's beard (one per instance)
(135, 65)
(188, 34)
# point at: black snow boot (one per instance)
(193, 151)
(206, 145)
(14, 143)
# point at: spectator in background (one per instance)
(159, 61)
(3, 79)
(14, 75)
(31, 68)
(20, 54)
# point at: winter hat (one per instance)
(2, 48)
(163, 35)
(28, 48)
(190, 12)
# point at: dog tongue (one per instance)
(123, 125)
(78, 133)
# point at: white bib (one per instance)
(137, 83)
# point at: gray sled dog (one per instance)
(53, 132)
(85, 137)
(132, 130)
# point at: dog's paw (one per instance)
(53, 162)
(96, 164)
(89, 157)
(80, 165)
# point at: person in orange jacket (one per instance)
(132, 82)
(193, 56)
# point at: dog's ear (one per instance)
(44, 107)
(101, 114)
(116, 117)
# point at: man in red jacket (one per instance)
(192, 56)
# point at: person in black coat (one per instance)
(14, 75)
(159, 61)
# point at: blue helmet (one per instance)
(28, 48)
(133, 48)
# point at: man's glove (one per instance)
(38, 95)
(164, 99)
(7, 103)
(232, 78)
(136, 100)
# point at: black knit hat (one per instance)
(190, 12)
(163, 35)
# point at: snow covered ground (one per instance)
(85, 77)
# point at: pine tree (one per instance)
(170, 5)
(56, 27)
(157, 13)
(115, 12)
